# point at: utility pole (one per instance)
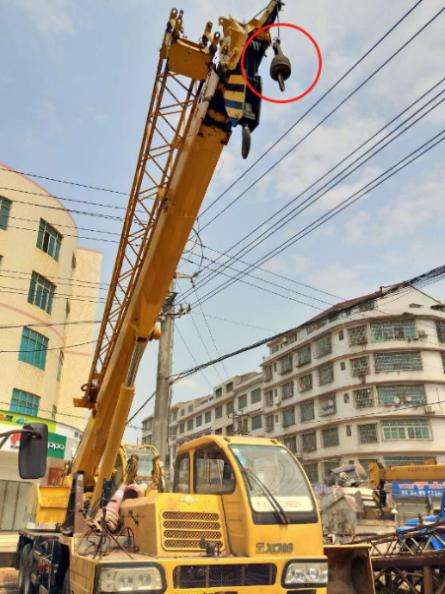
(163, 386)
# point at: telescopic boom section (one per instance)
(190, 119)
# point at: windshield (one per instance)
(276, 472)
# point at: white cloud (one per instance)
(48, 16)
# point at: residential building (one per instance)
(362, 381)
(49, 288)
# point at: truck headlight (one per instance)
(306, 573)
(145, 579)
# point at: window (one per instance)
(60, 365)
(357, 335)
(342, 365)
(305, 382)
(330, 465)
(288, 416)
(229, 430)
(182, 474)
(346, 398)
(182, 412)
(213, 473)
(24, 403)
(359, 366)
(208, 416)
(408, 460)
(416, 429)
(218, 392)
(307, 411)
(304, 355)
(363, 398)
(323, 346)
(327, 405)
(269, 423)
(41, 292)
(49, 240)
(393, 330)
(33, 348)
(367, 306)
(268, 398)
(243, 426)
(255, 396)
(189, 424)
(285, 363)
(401, 394)
(242, 401)
(311, 469)
(341, 335)
(5, 207)
(348, 431)
(287, 390)
(443, 360)
(440, 327)
(198, 421)
(181, 427)
(190, 408)
(229, 387)
(291, 443)
(257, 422)
(326, 374)
(230, 407)
(309, 441)
(218, 412)
(367, 433)
(267, 370)
(398, 361)
(330, 437)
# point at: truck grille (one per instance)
(184, 530)
(215, 576)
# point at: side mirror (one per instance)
(33, 451)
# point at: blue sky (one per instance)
(76, 80)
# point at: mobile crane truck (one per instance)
(242, 516)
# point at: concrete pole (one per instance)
(163, 386)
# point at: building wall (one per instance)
(392, 415)
(59, 381)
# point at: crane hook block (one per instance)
(280, 68)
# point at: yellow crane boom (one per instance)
(194, 105)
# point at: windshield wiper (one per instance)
(277, 508)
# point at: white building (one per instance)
(362, 381)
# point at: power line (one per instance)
(101, 239)
(49, 324)
(143, 405)
(65, 198)
(349, 201)
(324, 189)
(340, 176)
(61, 348)
(195, 325)
(319, 100)
(56, 295)
(64, 181)
(61, 225)
(27, 277)
(192, 356)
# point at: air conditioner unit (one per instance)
(429, 409)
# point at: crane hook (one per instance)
(280, 68)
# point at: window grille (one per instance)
(309, 441)
(33, 348)
(288, 416)
(5, 207)
(364, 398)
(305, 382)
(218, 392)
(230, 406)
(189, 424)
(323, 346)
(359, 366)
(257, 422)
(287, 390)
(330, 437)
(401, 394)
(327, 405)
(368, 433)
(198, 421)
(357, 335)
(311, 470)
(242, 401)
(41, 292)
(330, 465)
(408, 460)
(208, 416)
(285, 363)
(268, 397)
(218, 412)
(398, 361)
(291, 443)
(326, 374)
(440, 327)
(269, 423)
(267, 373)
(255, 396)
(229, 387)
(49, 239)
(307, 412)
(304, 355)
(393, 330)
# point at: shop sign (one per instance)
(56, 445)
(418, 488)
(11, 418)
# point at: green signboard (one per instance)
(12, 418)
(56, 445)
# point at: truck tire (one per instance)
(25, 585)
